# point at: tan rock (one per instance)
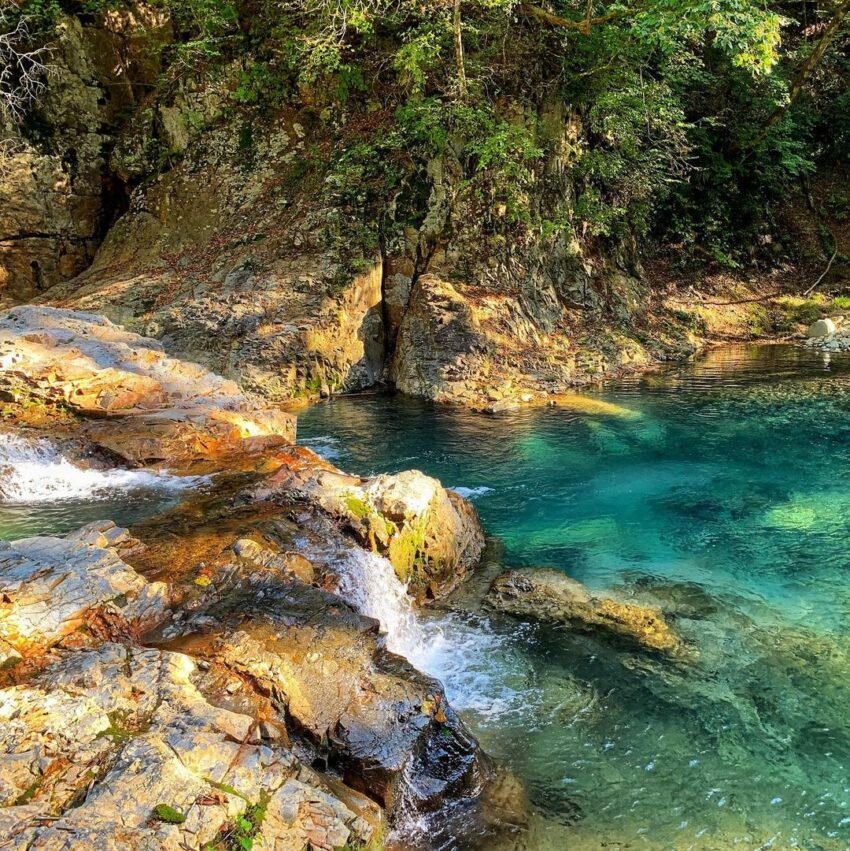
(148, 407)
(550, 595)
(388, 728)
(50, 586)
(120, 731)
(431, 535)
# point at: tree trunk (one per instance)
(461, 70)
(806, 70)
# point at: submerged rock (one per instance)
(550, 595)
(50, 587)
(145, 406)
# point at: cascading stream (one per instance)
(463, 652)
(34, 471)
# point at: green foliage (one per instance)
(666, 96)
(261, 85)
(245, 830)
(420, 55)
(807, 311)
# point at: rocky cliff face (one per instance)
(57, 195)
(249, 272)
(244, 244)
(271, 247)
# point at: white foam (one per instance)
(369, 582)
(32, 471)
(325, 447)
(472, 493)
(461, 650)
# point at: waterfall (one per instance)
(461, 649)
(33, 470)
(369, 582)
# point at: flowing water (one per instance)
(42, 492)
(717, 491)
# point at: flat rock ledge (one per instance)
(141, 404)
(52, 587)
(549, 595)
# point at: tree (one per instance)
(23, 64)
(805, 71)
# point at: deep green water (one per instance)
(718, 491)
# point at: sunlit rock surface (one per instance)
(387, 727)
(432, 536)
(50, 587)
(100, 742)
(261, 592)
(145, 406)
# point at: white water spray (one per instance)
(460, 649)
(32, 471)
(369, 582)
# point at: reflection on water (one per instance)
(722, 498)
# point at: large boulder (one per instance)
(50, 587)
(550, 595)
(142, 404)
(432, 536)
(821, 328)
(387, 728)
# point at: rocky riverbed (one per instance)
(203, 678)
(229, 669)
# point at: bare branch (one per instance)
(583, 26)
(24, 66)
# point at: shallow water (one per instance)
(718, 491)
(42, 492)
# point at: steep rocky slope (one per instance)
(57, 195)
(310, 247)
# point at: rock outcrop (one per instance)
(229, 267)
(431, 535)
(51, 587)
(388, 729)
(57, 196)
(270, 707)
(550, 595)
(240, 254)
(118, 748)
(142, 404)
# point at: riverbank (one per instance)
(215, 674)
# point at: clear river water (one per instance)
(716, 490)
